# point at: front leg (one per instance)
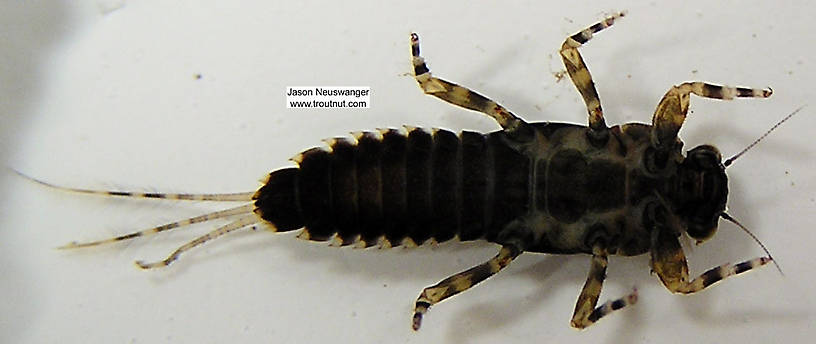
(672, 110)
(669, 263)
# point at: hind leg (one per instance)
(462, 281)
(457, 95)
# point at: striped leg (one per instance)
(672, 110)
(462, 281)
(237, 224)
(585, 312)
(579, 73)
(669, 262)
(461, 96)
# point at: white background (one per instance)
(103, 94)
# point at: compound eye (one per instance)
(701, 231)
(705, 156)
(702, 224)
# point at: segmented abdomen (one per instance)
(416, 186)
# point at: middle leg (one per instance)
(586, 313)
(579, 73)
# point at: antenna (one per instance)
(731, 159)
(734, 221)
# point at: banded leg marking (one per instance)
(672, 109)
(237, 224)
(462, 281)
(669, 262)
(461, 96)
(586, 313)
(244, 209)
(719, 273)
(579, 73)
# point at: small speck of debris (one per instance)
(753, 35)
(198, 76)
(353, 314)
(694, 71)
(628, 76)
(385, 285)
(787, 172)
(559, 75)
(792, 184)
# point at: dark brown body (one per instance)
(531, 187)
(563, 196)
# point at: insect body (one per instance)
(530, 187)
